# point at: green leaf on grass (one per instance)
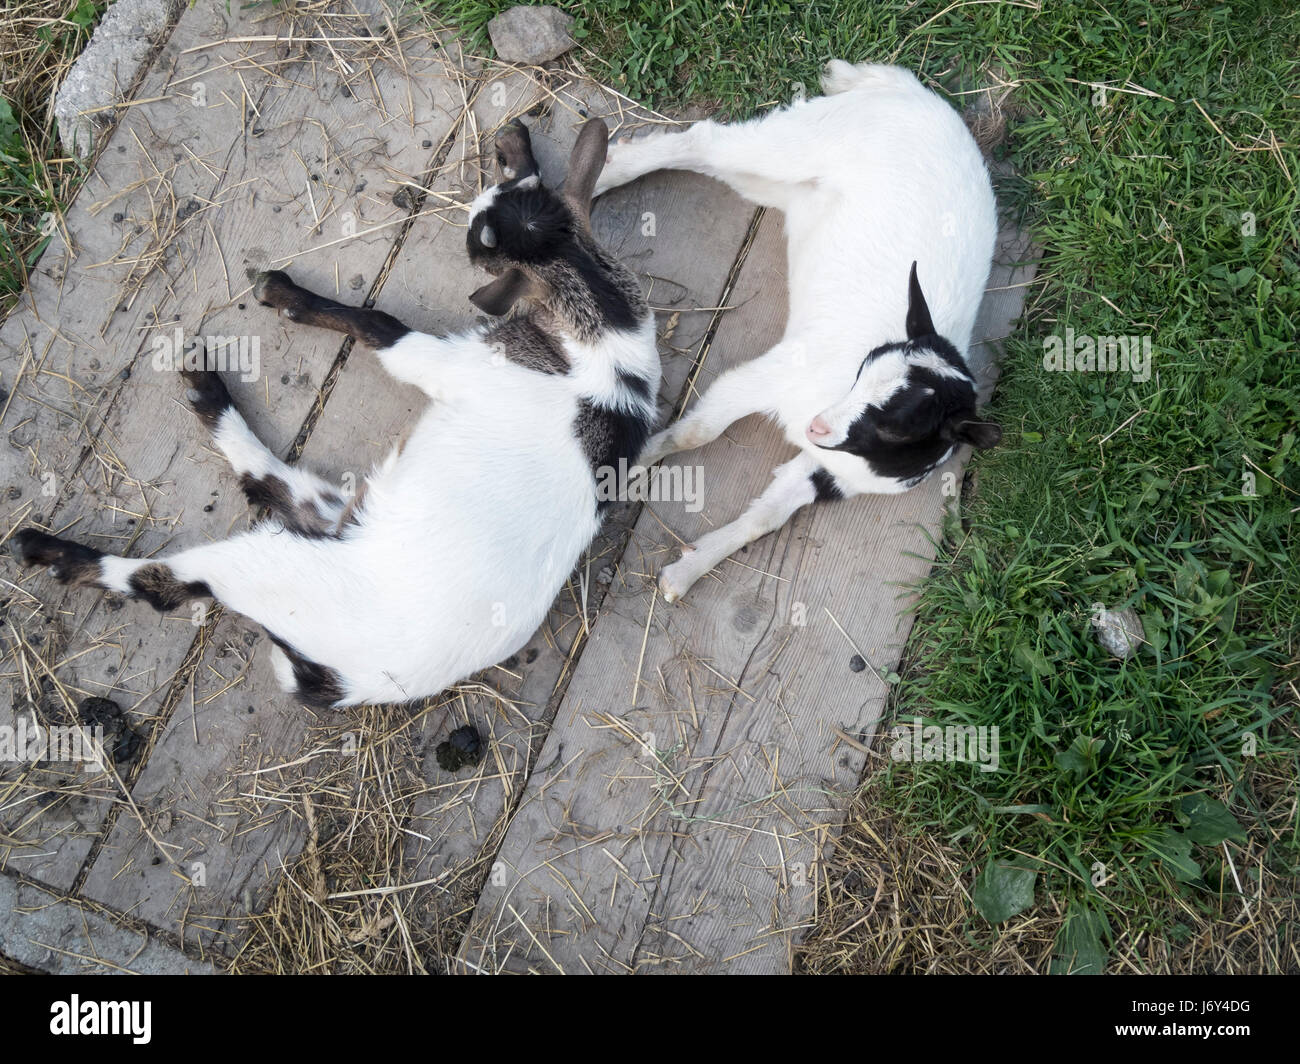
(1208, 821)
(1080, 947)
(1080, 760)
(1003, 889)
(1034, 661)
(1175, 850)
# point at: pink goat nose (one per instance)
(818, 429)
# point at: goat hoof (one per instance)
(674, 582)
(68, 562)
(273, 288)
(207, 395)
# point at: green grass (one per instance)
(39, 39)
(1105, 489)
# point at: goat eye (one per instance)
(487, 237)
(501, 160)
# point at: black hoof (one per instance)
(273, 288)
(207, 395)
(71, 563)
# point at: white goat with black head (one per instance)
(884, 192)
(449, 557)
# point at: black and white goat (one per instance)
(450, 556)
(883, 189)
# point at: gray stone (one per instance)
(1120, 632)
(41, 931)
(105, 71)
(531, 35)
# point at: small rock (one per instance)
(463, 747)
(1120, 632)
(857, 663)
(118, 48)
(531, 35)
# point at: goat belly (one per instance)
(457, 589)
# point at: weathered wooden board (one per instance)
(67, 355)
(47, 932)
(379, 136)
(698, 763)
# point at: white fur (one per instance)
(877, 174)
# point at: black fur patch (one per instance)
(907, 437)
(300, 516)
(318, 685)
(71, 563)
(158, 586)
(523, 343)
(607, 435)
(530, 225)
(535, 230)
(638, 386)
(827, 489)
(615, 304)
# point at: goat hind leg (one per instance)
(302, 501)
(763, 159)
(77, 565)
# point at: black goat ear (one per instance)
(498, 297)
(918, 314)
(981, 434)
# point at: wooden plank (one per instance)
(698, 766)
(591, 809)
(67, 356)
(211, 756)
(741, 886)
(47, 932)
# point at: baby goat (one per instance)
(449, 558)
(883, 188)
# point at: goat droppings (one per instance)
(463, 747)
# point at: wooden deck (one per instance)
(661, 783)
